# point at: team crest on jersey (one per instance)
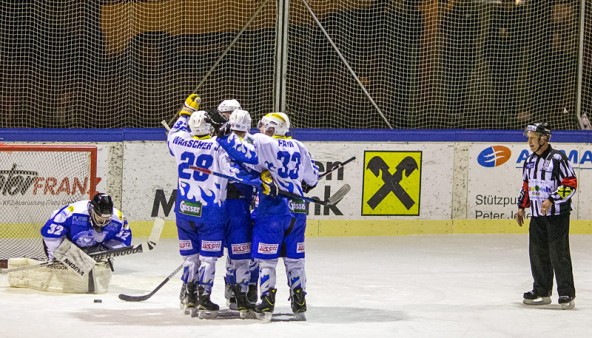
(546, 165)
(84, 239)
(267, 249)
(190, 208)
(564, 191)
(211, 246)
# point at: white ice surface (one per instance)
(410, 286)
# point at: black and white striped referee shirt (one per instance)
(548, 176)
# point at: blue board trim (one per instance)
(327, 135)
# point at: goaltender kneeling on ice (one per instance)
(69, 235)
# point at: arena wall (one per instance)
(420, 182)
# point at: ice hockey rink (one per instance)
(407, 286)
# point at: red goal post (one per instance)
(35, 180)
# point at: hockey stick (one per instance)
(130, 298)
(106, 254)
(337, 166)
(165, 125)
(338, 196)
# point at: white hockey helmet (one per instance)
(228, 106)
(278, 121)
(240, 120)
(198, 123)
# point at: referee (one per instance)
(549, 182)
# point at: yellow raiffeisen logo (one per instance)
(564, 191)
(392, 183)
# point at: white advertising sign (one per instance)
(495, 178)
(388, 180)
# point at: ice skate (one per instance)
(252, 294)
(245, 308)
(264, 310)
(567, 302)
(298, 302)
(206, 309)
(532, 298)
(189, 294)
(182, 300)
(230, 298)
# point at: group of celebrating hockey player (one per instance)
(229, 196)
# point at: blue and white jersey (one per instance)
(73, 222)
(200, 196)
(287, 159)
(240, 190)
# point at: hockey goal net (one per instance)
(35, 180)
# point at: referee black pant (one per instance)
(549, 252)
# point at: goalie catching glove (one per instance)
(268, 185)
(191, 104)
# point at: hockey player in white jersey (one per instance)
(239, 215)
(241, 282)
(200, 205)
(284, 163)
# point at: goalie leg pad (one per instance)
(38, 279)
(57, 278)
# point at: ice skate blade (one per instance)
(206, 314)
(247, 314)
(188, 310)
(265, 316)
(568, 306)
(538, 301)
(300, 316)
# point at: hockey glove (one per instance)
(191, 104)
(224, 130)
(306, 188)
(268, 185)
(217, 117)
(192, 101)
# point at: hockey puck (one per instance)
(98, 300)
